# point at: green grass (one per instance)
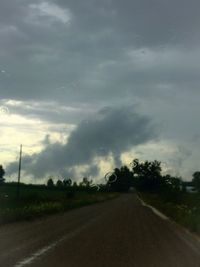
(35, 202)
(185, 210)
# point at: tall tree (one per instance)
(2, 173)
(50, 183)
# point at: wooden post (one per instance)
(19, 172)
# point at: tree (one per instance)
(50, 183)
(75, 184)
(121, 180)
(172, 189)
(148, 174)
(67, 182)
(196, 180)
(2, 173)
(59, 184)
(173, 183)
(86, 182)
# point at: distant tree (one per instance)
(59, 184)
(75, 184)
(67, 182)
(121, 180)
(196, 180)
(148, 174)
(86, 182)
(2, 173)
(173, 183)
(50, 182)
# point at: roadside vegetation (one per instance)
(36, 201)
(184, 208)
(177, 199)
(167, 193)
(170, 194)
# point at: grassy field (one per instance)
(183, 208)
(35, 202)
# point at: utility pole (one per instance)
(19, 172)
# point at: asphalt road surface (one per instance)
(120, 232)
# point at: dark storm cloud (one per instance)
(111, 130)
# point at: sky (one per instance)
(87, 86)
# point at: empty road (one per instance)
(120, 232)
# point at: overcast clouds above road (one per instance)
(79, 71)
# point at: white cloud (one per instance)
(51, 11)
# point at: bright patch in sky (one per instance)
(51, 10)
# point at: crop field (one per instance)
(37, 201)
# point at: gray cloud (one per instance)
(102, 53)
(48, 111)
(144, 22)
(110, 131)
(41, 59)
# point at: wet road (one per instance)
(120, 232)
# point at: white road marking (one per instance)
(155, 211)
(182, 233)
(49, 247)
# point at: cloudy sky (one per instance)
(89, 85)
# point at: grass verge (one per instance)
(185, 210)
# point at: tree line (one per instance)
(145, 176)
